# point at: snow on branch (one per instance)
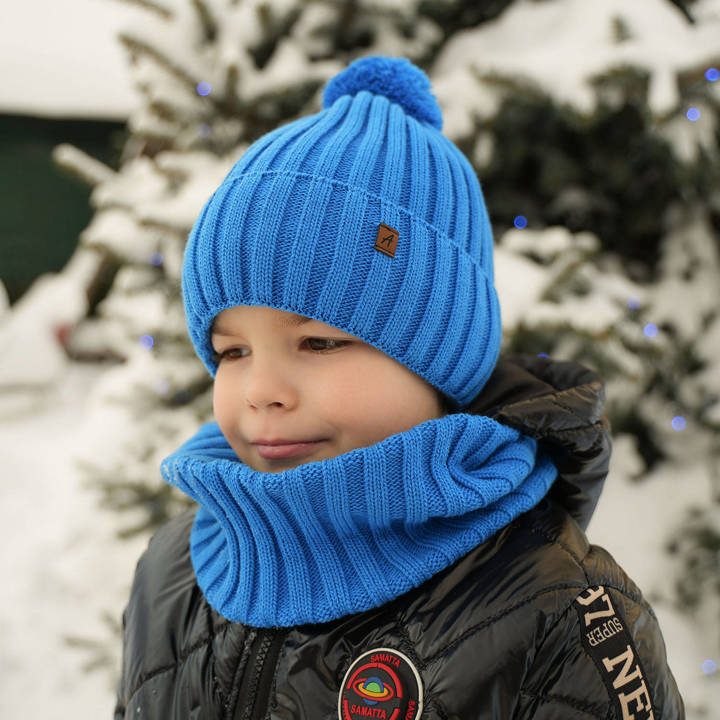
(141, 47)
(81, 165)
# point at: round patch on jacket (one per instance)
(382, 683)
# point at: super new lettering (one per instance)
(607, 641)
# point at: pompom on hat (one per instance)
(396, 79)
(363, 216)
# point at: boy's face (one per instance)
(279, 381)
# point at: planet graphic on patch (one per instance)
(381, 683)
(372, 689)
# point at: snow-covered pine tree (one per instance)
(604, 147)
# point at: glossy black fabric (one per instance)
(493, 636)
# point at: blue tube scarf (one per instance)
(343, 535)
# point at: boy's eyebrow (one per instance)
(292, 321)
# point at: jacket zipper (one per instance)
(260, 671)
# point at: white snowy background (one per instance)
(61, 59)
(62, 566)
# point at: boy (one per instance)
(390, 519)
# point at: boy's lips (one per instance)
(285, 449)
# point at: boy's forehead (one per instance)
(232, 318)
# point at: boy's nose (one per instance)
(266, 386)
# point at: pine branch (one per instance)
(83, 166)
(684, 9)
(164, 12)
(206, 20)
(133, 44)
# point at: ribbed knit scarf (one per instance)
(350, 533)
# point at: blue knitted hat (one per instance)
(363, 216)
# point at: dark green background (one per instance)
(43, 209)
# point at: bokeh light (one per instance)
(634, 303)
(543, 355)
(156, 258)
(204, 88)
(709, 667)
(162, 387)
(203, 130)
(147, 341)
(520, 222)
(678, 422)
(712, 74)
(650, 330)
(693, 114)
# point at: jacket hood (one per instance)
(560, 404)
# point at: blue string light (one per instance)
(650, 330)
(520, 222)
(709, 667)
(147, 341)
(712, 74)
(693, 114)
(634, 303)
(543, 355)
(204, 88)
(678, 422)
(156, 259)
(203, 130)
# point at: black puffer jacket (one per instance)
(533, 623)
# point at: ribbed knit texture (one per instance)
(343, 535)
(293, 227)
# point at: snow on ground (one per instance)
(64, 567)
(60, 562)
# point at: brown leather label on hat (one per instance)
(386, 240)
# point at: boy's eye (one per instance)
(325, 344)
(225, 355)
(316, 345)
